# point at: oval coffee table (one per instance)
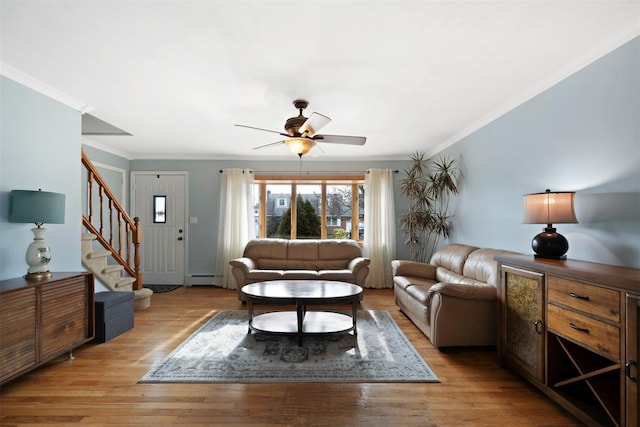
(302, 293)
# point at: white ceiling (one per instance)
(409, 75)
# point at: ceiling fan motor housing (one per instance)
(292, 125)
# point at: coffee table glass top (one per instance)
(301, 289)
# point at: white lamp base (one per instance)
(38, 256)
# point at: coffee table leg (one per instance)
(300, 309)
(354, 315)
(250, 311)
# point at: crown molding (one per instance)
(43, 88)
(106, 148)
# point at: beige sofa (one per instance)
(282, 259)
(452, 299)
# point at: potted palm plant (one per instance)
(428, 185)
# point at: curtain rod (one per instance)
(305, 172)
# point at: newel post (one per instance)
(136, 240)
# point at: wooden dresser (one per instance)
(43, 320)
(571, 329)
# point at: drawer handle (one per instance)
(577, 328)
(537, 323)
(627, 370)
(582, 297)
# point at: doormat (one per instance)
(158, 289)
(222, 351)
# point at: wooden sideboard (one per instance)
(571, 329)
(43, 320)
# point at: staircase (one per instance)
(110, 239)
(111, 275)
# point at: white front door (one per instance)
(159, 200)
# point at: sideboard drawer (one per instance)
(600, 336)
(596, 300)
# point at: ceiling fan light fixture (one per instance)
(300, 146)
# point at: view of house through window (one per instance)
(318, 208)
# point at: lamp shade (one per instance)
(549, 208)
(36, 207)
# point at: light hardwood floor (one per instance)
(100, 386)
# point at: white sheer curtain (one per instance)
(379, 227)
(235, 226)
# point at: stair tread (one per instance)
(98, 254)
(112, 268)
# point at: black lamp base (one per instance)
(550, 244)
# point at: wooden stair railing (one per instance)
(129, 231)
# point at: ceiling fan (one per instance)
(301, 132)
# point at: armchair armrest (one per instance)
(413, 269)
(466, 291)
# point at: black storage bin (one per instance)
(114, 314)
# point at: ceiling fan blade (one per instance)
(313, 124)
(268, 145)
(341, 139)
(266, 130)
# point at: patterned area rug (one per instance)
(222, 351)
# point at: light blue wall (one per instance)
(39, 148)
(581, 135)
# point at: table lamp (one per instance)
(38, 207)
(549, 208)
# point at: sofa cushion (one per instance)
(338, 275)
(421, 293)
(452, 257)
(300, 274)
(271, 263)
(334, 249)
(302, 250)
(262, 275)
(480, 291)
(403, 282)
(482, 266)
(332, 264)
(266, 249)
(448, 276)
(295, 264)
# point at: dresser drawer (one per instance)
(601, 302)
(600, 336)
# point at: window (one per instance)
(333, 221)
(159, 209)
(324, 208)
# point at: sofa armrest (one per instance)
(358, 263)
(466, 291)
(413, 269)
(359, 266)
(244, 264)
